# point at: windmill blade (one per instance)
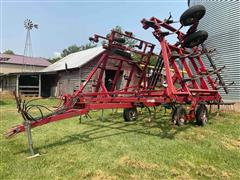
(28, 24)
(35, 26)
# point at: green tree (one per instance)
(8, 52)
(72, 49)
(87, 46)
(129, 42)
(55, 59)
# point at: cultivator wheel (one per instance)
(130, 114)
(192, 15)
(201, 115)
(195, 39)
(179, 115)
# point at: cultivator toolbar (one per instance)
(175, 77)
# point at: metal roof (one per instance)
(75, 60)
(22, 60)
(26, 73)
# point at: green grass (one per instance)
(113, 149)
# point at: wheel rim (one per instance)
(203, 117)
(198, 15)
(132, 115)
(181, 120)
(179, 116)
(193, 14)
(195, 38)
(189, 20)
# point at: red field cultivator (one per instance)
(175, 77)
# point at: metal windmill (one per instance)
(28, 24)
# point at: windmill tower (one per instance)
(28, 24)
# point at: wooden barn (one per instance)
(66, 75)
(70, 72)
(21, 73)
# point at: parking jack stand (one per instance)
(30, 142)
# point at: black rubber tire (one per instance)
(122, 53)
(179, 115)
(195, 39)
(130, 114)
(150, 23)
(201, 115)
(193, 14)
(119, 40)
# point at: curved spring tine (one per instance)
(27, 116)
(30, 107)
(40, 111)
(33, 105)
(18, 101)
(32, 100)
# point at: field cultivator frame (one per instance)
(177, 77)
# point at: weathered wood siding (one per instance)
(13, 68)
(69, 81)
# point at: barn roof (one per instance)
(75, 60)
(22, 60)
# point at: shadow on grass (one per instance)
(159, 127)
(3, 103)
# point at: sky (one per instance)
(64, 23)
